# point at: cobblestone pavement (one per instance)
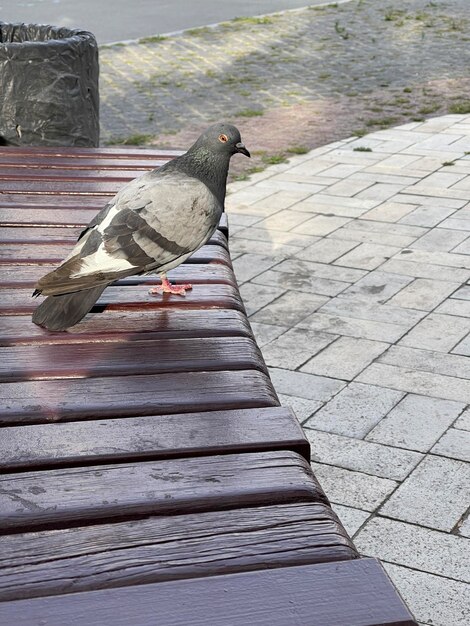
(354, 264)
(292, 80)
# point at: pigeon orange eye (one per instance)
(223, 138)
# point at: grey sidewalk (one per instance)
(354, 267)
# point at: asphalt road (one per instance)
(120, 20)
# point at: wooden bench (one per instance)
(149, 474)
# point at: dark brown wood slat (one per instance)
(130, 325)
(169, 548)
(52, 188)
(40, 253)
(67, 235)
(21, 302)
(77, 153)
(345, 593)
(151, 437)
(210, 273)
(20, 202)
(92, 360)
(21, 162)
(56, 174)
(39, 402)
(174, 486)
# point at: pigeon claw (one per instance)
(167, 287)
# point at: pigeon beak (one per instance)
(241, 148)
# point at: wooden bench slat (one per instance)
(151, 437)
(131, 325)
(115, 492)
(22, 162)
(20, 301)
(345, 593)
(47, 175)
(124, 152)
(169, 548)
(93, 360)
(38, 402)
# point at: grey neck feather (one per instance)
(204, 164)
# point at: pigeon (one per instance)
(152, 224)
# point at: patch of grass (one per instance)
(250, 113)
(430, 108)
(152, 39)
(195, 32)
(382, 121)
(448, 163)
(342, 32)
(324, 75)
(362, 149)
(407, 90)
(460, 107)
(298, 150)
(359, 133)
(132, 140)
(265, 19)
(273, 159)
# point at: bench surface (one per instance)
(145, 458)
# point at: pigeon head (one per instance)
(222, 139)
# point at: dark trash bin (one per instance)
(48, 86)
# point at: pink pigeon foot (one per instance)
(167, 287)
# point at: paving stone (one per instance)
(381, 191)
(249, 265)
(374, 237)
(464, 529)
(295, 347)
(353, 489)
(321, 225)
(323, 270)
(353, 327)
(464, 421)
(443, 240)
(367, 256)
(437, 258)
(305, 282)
(302, 407)
(255, 297)
(425, 383)
(377, 287)
(265, 333)
(240, 246)
(345, 358)
(401, 265)
(416, 422)
(304, 385)
(275, 237)
(432, 495)
(355, 410)
(433, 600)
(457, 224)
(455, 443)
(462, 294)
(419, 548)
(430, 200)
(326, 250)
(424, 294)
(362, 456)
(351, 518)
(291, 308)
(341, 209)
(460, 308)
(364, 310)
(348, 187)
(282, 220)
(279, 200)
(342, 170)
(427, 361)
(427, 216)
(352, 203)
(438, 332)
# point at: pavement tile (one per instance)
(414, 381)
(457, 224)
(304, 385)
(439, 332)
(295, 347)
(282, 220)
(377, 287)
(292, 307)
(364, 310)
(416, 422)
(424, 294)
(433, 600)
(353, 327)
(255, 297)
(430, 200)
(432, 495)
(455, 443)
(379, 192)
(345, 358)
(264, 333)
(322, 270)
(250, 265)
(326, 250)
(402, 265)
(362, 456)
(320, 225)
(348, 187)
(302, 407)
(419, 548)
(464, 247)
(438, 258)
(367, 256)
(427, 216)
(443, 240)
(275, 237)
(464, 529)
(464, 421)
(351, 518)
(353, 489)
(306, 282)
(355, 410)
(427, 361)
(460, 308)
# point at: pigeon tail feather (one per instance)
(66, 310)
